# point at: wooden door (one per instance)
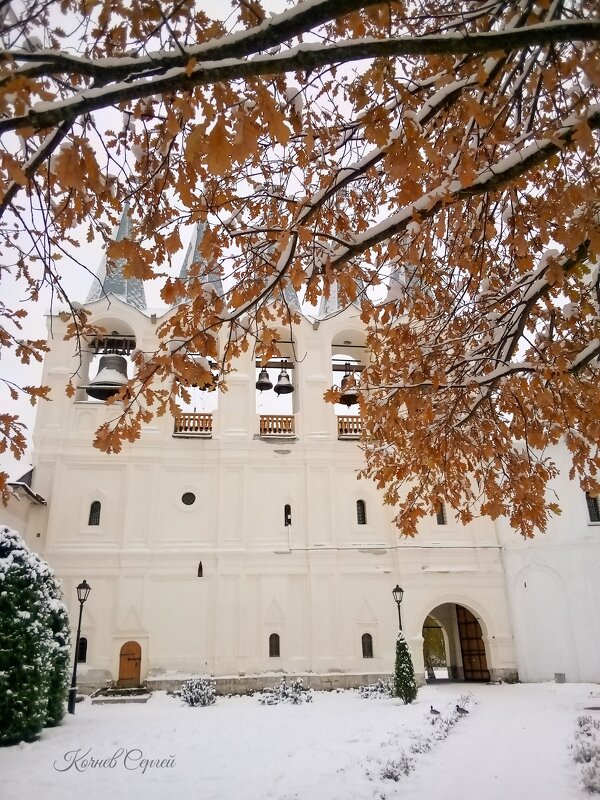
(130, 661)
(472, 646)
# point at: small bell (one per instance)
(283, 385)
(349, 396)
(263, 384)
(112, 375)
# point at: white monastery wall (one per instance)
(319, 583)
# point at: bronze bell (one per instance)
(349, 396)
(263, 384)
(283, 385)
(112, 374)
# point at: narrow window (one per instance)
(367, 645)
(361, 512)
(200, 570)
(274, 645)
(287, 515)
(82, 650)
(593, 507)
(94, 518)
(441, 514)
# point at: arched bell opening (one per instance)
(349, 357)
(276, 381)
(107, 362)
(454, 645)
(198, 378)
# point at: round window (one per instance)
(188, 498)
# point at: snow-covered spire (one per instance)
(110, 279)
(209, 277)
(329, 306)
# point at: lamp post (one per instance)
(83, 591)
(398, 594)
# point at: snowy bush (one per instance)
(376, 690)
(199, 692)
(293, 692)
(405, 685)
(586, 751)
(590, 775)
(34, 642)
(395, 768)
(421, 744)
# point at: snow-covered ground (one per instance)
(513, 745)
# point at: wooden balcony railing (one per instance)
(277, 425)
(349, 427)
(193, 425)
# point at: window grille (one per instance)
(441, 514)
(593, 507)
(94, 517)
(361, 512)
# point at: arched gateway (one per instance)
(453, 645)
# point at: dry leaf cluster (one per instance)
(448, 149)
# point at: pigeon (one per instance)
(434, 711)
(462, 711)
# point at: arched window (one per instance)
(287, 514)
(367, 645)
(94, 517)
(593, 507)
(274, 645)
(361, 512)
(441, 514)
(82, 650)
(200, 570)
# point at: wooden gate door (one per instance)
(472, 646)
(130, 665)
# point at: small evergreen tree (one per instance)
(34, 642)
(405, 685)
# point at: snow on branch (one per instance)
(160, 77)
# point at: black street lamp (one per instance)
(83, 591)
(398, 595)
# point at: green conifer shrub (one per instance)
(404, 685)
(34, 642)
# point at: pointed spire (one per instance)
(209, 278)
(110, 279)
(331, 305)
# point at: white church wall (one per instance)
(320, 583)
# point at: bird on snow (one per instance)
(462, 711)
(434, 711)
